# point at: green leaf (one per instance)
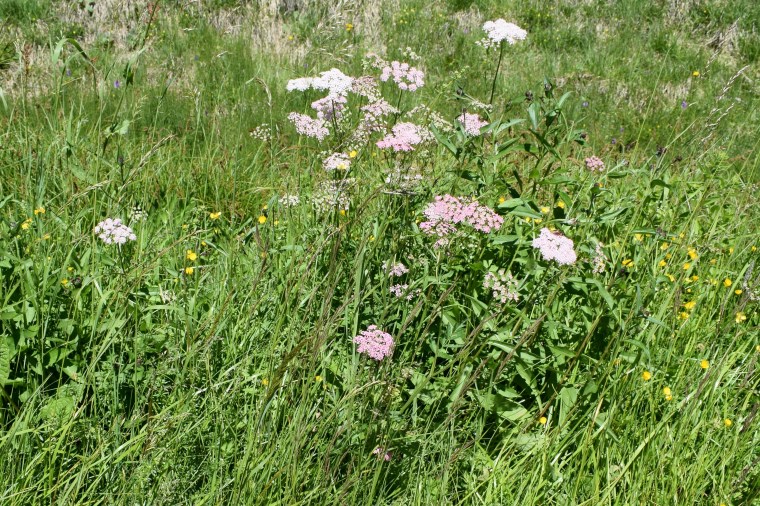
(5, 361)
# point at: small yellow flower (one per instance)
(371, 238)
(757, 348)
(265, 381)
(727, 422)
(64, 282)
(681, 235)
(262, 219)
(738, 292)
(290, 37)
(740, 317)
(646, 375)
(695, 73)
(668, 256)
(690, 305)
(191, 255)
(627, 262)
(671, 278)
(545, 209)
(668, 397)
(203, 244)
(184, 226)
(686, 266)
(754, 248)
(537, 220)
(695, 278)
(683, 315)
(25, 225)
(39, 210)
(527, 219)
(276, 222)
(349, 27)
(317, 378)
(666, 391)
(542, 420)
(638, 237)
(352, 154)
(215, 216)
(662, 263)
(342, 212)
(70, 269)
(727, 282)
(730, 251)
(561, 204)
(46, 237)
(704, 364)
(189, 270)
(713, 261)
(693, 253)
(502, 200)
(664, 246)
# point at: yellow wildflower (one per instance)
(638, 237)
(713, 261)
(70, 269)
(545, 209)
(740, 317)
(262, 219)
(683, 315)
(502, 200)
(695, 73)
(39, 210)
(189, 270)
(265, 381)
(317, 378)
(686, 266)
(730, 251)
(662, 263)
(704, 364)
(727, 282)
(64, 282)
(671, 278)
(693, 253)
(695, 278)
(352, 154)
(542, 420)
(561, 204)
(754, 248)
(627, 262)
(215, 216)
(342, 212)
(738, 292)
(349, 27)
(664, 246)
(690, 305)
(25, 225)
(727, 422)
(646, 375)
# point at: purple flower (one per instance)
(585, 103)
(684, 105)
(374, 343)
(117, 84)
(594, 164)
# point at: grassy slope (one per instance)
(242, 388)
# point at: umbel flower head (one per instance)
(555, 246)
(446, 212)
(113, 231)
(374, 343)
(500, 30)
(471, 123)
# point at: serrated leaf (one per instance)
(5, 361)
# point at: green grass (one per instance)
(211, 360)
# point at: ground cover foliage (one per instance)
(307, 252)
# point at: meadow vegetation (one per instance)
(381, 252)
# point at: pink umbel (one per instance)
(374, 343)
(594, 164)
(406, 77)
(446, 212)
(555, 246)
(471, 123)
(113, 231)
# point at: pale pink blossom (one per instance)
(330, 107)
(503, 286)
(113, 231)
(308, 126)
(594, 164)
(555, 246)
(406, 77)
(471, 123)
(375, 343)
(337, 161)
(446, 212)
(404, 137)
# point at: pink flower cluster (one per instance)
(404, 137)
(308, 126)
(382, 454)
(446, 212)
(471, 123)
(337, 161)
(330, 107)
(594, 164)
(113, 231)
(555, 246)
(395, 269)
(375, 343)
(407, 78)
(503, 286)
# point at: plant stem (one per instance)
(496, 75)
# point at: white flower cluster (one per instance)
(500, 30)
(113, 231)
